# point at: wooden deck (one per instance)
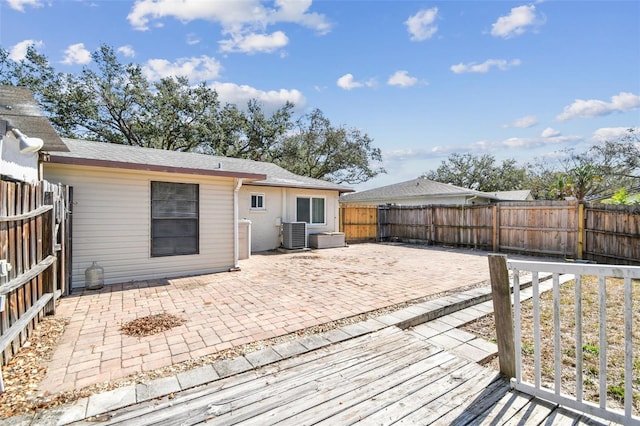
(388, 377)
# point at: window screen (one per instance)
(174, 219)
(310, 210)
(257, 201)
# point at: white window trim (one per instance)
(311, 197)
(264, 202)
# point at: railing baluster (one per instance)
(579, 344)
(557, 349)
(602, 375)
(576, 272)
(536, 328)
(628, 347)
(517, 337)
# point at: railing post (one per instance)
(501, 295)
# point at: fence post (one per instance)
(580, 231)
(501, 295)
(496, 228)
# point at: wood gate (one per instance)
(359, 223)
(33, 258)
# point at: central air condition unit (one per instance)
(294, 235)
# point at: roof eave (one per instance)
(415, 197)
(341, 190)
(57, 159)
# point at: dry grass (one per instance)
(591, 343)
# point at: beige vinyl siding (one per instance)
(111, 223)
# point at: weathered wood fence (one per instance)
(567, 229)
(33, 258)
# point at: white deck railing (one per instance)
(554, 392)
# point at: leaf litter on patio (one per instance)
(151, 324)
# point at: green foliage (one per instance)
(479, 172)
(591, 349)
(616, 392)
(528, 349)
(114, 102)
(595, 174)
(318, 149)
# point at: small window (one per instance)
(310, 210)
(257, 202)
(174, 219)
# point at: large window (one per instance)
(174, 219)
(310, 210)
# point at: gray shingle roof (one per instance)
(415, 188)
(21, 111)
(517, 195)
(132, 157)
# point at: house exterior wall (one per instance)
(419, 201)
(280, 206)
(112, 223)
(15, 164)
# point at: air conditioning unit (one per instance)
(294, 235)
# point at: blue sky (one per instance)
(423, 79)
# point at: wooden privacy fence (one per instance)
(569, 229)
(32, 258)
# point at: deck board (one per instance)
(387, 377)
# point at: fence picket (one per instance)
(28, 243)
(565, 229)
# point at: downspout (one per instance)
(236, 248)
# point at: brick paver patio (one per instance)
(274, 294)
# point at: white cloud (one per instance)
(127, 51)
(347, 82)
(19, 50)
(501, 64)
(271, 99)
(402, 79)
(192, 39)
(296, 11)
(421, 25)
(76, 54)
(516, 23)
(196, 69)
(20, 4)
(233, 16)
(550, 133)
(524, 122)
(611, 133)
(252, 43)
(514, 143)
(621, 102)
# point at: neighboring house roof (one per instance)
(520, 195)
(21, 111)
(101, 154)
(413, 189)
